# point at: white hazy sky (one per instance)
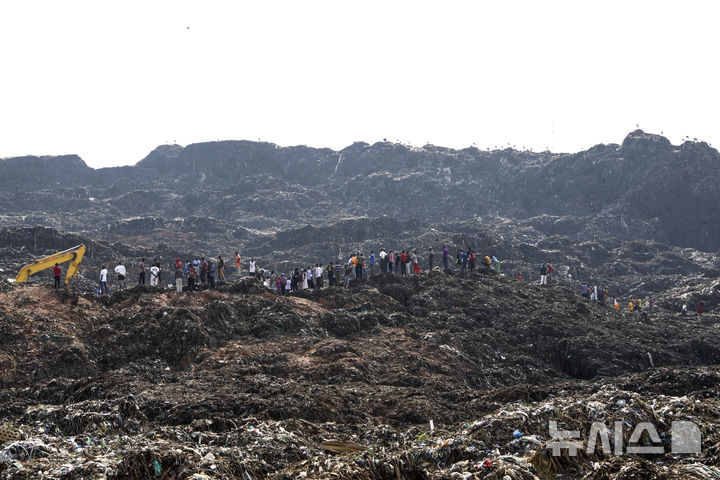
(112, 80)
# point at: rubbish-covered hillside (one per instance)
(439, 375)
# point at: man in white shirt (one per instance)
(103, 280)
(318, 276)
(252, 267)
(121, 274)
(383, 260)
(154, 275)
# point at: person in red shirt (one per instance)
(192, 278)
(57, 272)
(550, 269)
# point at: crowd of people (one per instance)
(404, 262)
(207, 271)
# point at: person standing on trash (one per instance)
(550, 269)
(359, 265)
(348, 275)
(445, 256)
(700, 307)
(371, 261)
(543, 274)
(211, 273)
(154, 275)
(431, 256)
(390, 261)
(294, 277)
(141, 274)
(310, 278)
(238, 265)
(318, 276)
(651, 303)
(253, 267)
(352, 263)
(220, 269)
(331, 275)
(179, 277)
(203, 271)
(398, 259)
(57, 273)
(192, 278)
(103, 280)
(463, 261)
(282, 282)
(121, 274)
(383, 260)
(403, 262)
(303, 284)
(416, 263)
(157, 264)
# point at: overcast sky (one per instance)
(111, 83)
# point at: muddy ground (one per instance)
(344, 383)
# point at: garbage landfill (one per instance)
(342, 383)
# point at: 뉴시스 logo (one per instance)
(685, 438)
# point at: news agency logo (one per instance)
(685, 438)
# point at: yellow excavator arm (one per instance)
(74, 255)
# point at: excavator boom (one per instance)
(73, 255)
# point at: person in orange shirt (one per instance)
(237, 262)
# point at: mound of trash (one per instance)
(440, 375)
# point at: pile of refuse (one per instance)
(115, 440)
(436, 376)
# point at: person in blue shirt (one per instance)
(495, 263)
